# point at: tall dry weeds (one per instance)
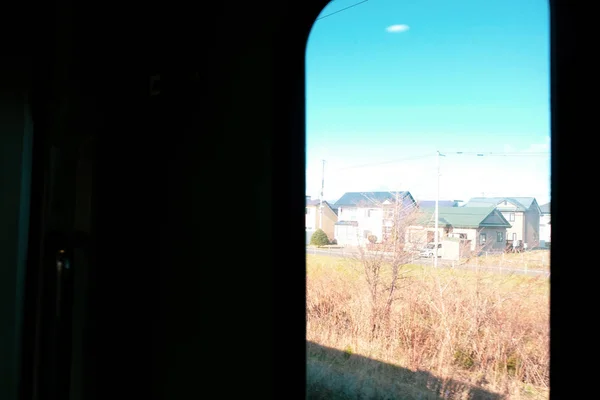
(491, 330)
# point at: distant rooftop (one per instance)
(522, 203)
(369, 198)
(465, 217)
(317, 202)
(441, 203)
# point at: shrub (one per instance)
(372, 238)
(319, 238)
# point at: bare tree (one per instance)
(383, 259)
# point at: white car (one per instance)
(429, 250)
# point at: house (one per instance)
(478, 228)
(523, 213)
(545, 228)
(364, 215)
(313, 218)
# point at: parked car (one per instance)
(429, 250)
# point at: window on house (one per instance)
(500, 236)
(366, 234)
(370, 213)
(482, 237)
(350, 214)
(511, 217)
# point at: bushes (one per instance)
(319, 238)
(491, 330)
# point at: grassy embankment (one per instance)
(474, 332)
(532, 260)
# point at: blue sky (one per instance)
(466, 75)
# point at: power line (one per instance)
(419, 157)
(500, 154)
(428, 155)
(343, 9)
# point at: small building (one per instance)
(313, 217)
(477, 229)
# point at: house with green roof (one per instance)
(478, 227)
(523, 213)
(370, 214)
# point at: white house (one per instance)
(368, 214)
(545, 227)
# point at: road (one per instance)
(348, 253)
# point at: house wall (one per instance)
(491, 237)
(346, 235)
(532, 228)
(328, 224)
(518, 225)
(311, 222)
(526, 225)
(491, 234)
(329, 220)
(471, 235)
(368, 219)
(545, 229)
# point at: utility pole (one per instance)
(437, 211)
(321, 197)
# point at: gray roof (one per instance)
(349, 223)
(333, 206)
(316, 203)
(367, 199)
(545, 208)
(441, 203)
(522, 203)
